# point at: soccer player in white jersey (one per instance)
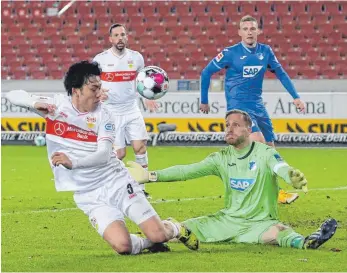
(119, 66)
(80, 136)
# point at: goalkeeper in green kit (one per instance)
(249, 171)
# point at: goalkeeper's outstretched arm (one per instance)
(281, 168)
(176, 173)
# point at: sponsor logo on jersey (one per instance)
(110, 65)
(260, 56)
(59, 128)
(91, 122)
(119, 76)
(243, 57)
(219, 57)
(278, 158)
(252, 166)
(109, 127)
(69, 131)
(251, 71)
(241, 184)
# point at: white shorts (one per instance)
(129, 127)
(108, 203)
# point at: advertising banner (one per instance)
(199, 125)
(279, 105)
(200, 139)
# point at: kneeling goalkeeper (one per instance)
(249, 171)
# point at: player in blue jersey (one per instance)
(246, 63)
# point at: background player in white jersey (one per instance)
(80, 136)
(120, 66)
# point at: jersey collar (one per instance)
(119, 57)
(250, 50)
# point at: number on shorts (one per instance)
(130, 189)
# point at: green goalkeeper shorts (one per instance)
(220, 227)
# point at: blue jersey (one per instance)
(245, 71)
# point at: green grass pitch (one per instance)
(34, 238)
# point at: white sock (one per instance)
(175, 228)
(138, 244)
(143, 161)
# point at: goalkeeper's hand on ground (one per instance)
(298, 179)
(140, 174)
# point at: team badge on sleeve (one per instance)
(219, 57)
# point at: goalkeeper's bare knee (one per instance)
(270, 236)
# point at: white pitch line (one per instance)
(159, 202)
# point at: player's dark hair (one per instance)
(247, 18)
(114, 26)
(79, 73)
(245, 116)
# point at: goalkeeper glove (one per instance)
(140, 174)
(298, 179)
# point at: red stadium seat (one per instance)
(247, 7)
(200, 10)
(332, 7)
(217, 8)
(205, 28)
(38, 75)
(281, 8)
(315, 7)
(297, 8)
(263, 7)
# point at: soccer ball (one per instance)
(40, 141)
(152, 82)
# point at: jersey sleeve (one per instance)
(273, 62)
(141, 62)
(277, 164)
(107, 127)
(27, 100)
(222, 60)
(206, 167)
(96, 59)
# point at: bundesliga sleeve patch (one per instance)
(278, 158)
(219, 57)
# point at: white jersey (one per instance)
(77, 134)
(118, 76)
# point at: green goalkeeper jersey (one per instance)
(249, 177)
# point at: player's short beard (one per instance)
(121, 49)
(238, 141)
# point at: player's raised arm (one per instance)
(39, 104)
(281, 168)
(205, 167)
(217, 64)
(281, 74)
(102, 155)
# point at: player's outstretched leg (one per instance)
(186, 236)
(286, 197)
(321, 235)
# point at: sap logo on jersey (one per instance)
(251, 71)
(241, 184)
